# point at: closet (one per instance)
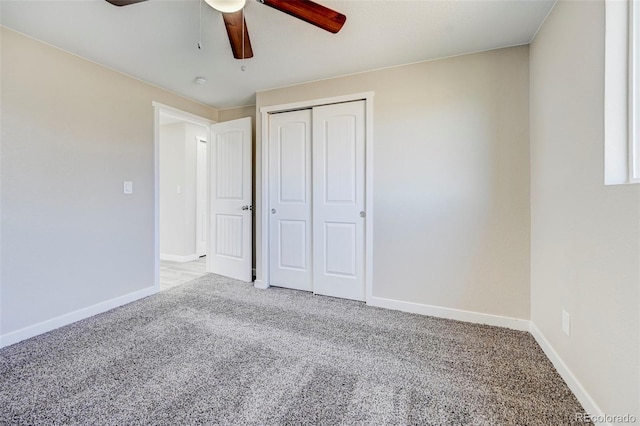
(317, 199)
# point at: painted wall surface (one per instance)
(191, 132)
(451, 178)
(178, 184)
(72, 132)
(585, 236)
(234, 113)
(172, 205)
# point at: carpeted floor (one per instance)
(216, 351)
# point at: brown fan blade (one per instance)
(310, 12)
(124, 2)
(233, 23)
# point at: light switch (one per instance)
(128, 187)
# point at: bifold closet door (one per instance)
(290, 199)
(339, 200)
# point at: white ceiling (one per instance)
(156, 41)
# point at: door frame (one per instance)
(158, 109)
(204, 224)
(264, 281)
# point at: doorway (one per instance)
(183, 198)
(317, 181)
(203, 211)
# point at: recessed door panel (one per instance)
(293, 244)
(289, 205)
(229, 235)
(229, 168)
(341, 248)
(293, 163)
(340, 159)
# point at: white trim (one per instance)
(264, 203)
(207, 205)
(156, 197)
(260, 284)
(450, 313)
(634, 92)
(570, 379)
(182, 115)
(621, 147)
(71, 317)
(176, 258)
(615, 93)
(315, 102)
(368, 188)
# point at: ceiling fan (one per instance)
(232, 14)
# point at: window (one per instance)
(634, 91)
(622, 92)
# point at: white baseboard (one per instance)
(260, 284)
(71, 317)
(572, 381)
(449, 313)
(574, 384)
(176, 258)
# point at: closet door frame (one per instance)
(263, 269)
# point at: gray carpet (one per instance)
(216, 351)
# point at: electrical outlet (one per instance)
(566, 323)
(127, 187)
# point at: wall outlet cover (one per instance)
(128, 187)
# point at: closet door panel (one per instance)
(290, 198)
(339, 200)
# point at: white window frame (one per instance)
(622, 92)
(634, 92)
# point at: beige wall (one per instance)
(451, 178)
(585, 253)
(72, 132)
(239, 112)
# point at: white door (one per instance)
(201, 197)
(230, 226)
(339, 200)
(290, 199)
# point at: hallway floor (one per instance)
(176, 273)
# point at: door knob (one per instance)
(273, 211)
(362, 214)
